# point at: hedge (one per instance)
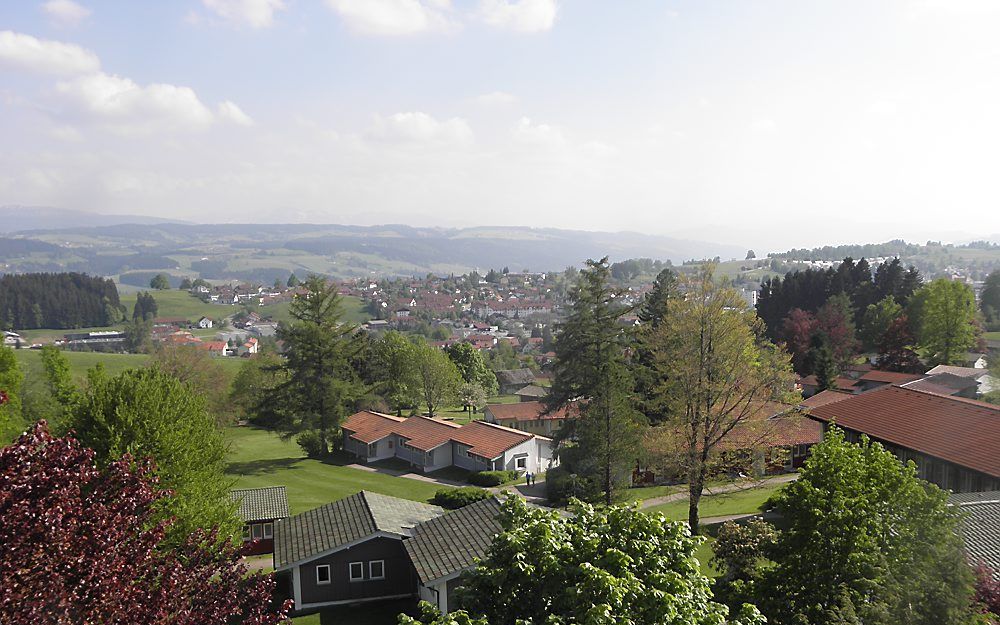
(454, 498)
(493, 478)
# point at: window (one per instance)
(268, 530)
(246, 532)
(390, 443)
(372, 449)
(521, 463)
(357, 571)
(376, 569)
(257, 531)
(323, 574)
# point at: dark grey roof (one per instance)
(951, 380)
(345, 521)
(453, 542)
(261, 504)
(981, 527)
(515, 376)
(532, 391)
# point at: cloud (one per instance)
(253, 13)
(526, 16)
(417, 127)
(128, 108)
(395, 17)
(65, 12)
(232, 113)
(43, 56)
(538, 134)
(497, 98)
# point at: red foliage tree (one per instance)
(798, 328)
(835, 319)
(77, 545)
(895, 350)
(988, 590)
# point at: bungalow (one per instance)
(429, 444)
(11, 338)
(260, 509)
(215, 348)
(349, 551)
(527, 416)
(443, 548)
(512, 380)
(810, 386)
(987, 383)
(875, 378)
(205, 323)
(955, 442)
(981, 527)
(947, 384)
(531, 393)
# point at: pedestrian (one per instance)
(527, 478)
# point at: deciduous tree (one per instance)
(437, 377)
(79, 544)
(160, 282)
(878, 317)
(715, 368)
(597, 565)
(472, 366)
(946, 328)
(897, 349)
(11, 379)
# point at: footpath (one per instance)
(718, 490)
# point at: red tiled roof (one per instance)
(842, 382)
(526, 411)
(823, 398)
(367, 426)
(424, 433)
(783, 431)
(961, 431)
(488, 440)
(891, 377)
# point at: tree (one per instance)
(822, 363)
(59, 381)
(798, 330)
(186, 284)
(878, 317)
(741, 552)
(430, 615)
(253, 383)
(750, 255)
(392, 371)
(896, 350)
(200, 372)
(835, 319)
(591, 365)
(148, 413)
(293, 281)
(473, 368)
(160, 282)
(145, 308)
(438, 378)
(989, 298)
(138, 335)
(864, 534)
(715, 368)
(11, 379)
(988, 589)
(472, 395)
(597, 565)
(946, 329)
(82, 544)
(321, 383)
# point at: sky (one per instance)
(766, 123)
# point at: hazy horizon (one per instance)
(768, 125)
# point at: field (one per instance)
(79, 362)
(259, 458)
(739, 502)
(174, 303)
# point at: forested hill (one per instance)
(63, 300)
(263, 252)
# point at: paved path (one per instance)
(718, 490)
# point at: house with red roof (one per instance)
(954, 441)
(528, 416)
(431, 444)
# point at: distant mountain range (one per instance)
(18, 218)
(270, 251)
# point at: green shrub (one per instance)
(455, 498)
(310, 443)
(493, 478)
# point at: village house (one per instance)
(431, 444)
(205, 323)
(528, 416)
(11, 338)
(953, 441)
(987, 383)
(531, 392)
(260, 508)
(513, 380)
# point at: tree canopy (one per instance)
(944, 321)
(58, 300)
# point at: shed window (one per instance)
(376, 569)
(372, 449)
(268, 530)
(357, 571)
(257, 531)
(323, 574)
(246, 532)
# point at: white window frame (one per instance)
(373, 449)
(329, 576)
(257, 532)
(268, 530)
(350, 572)
(521, 462)
(371, 572)
(246, 533)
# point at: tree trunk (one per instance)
(695, 488)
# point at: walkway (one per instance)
(718, 490)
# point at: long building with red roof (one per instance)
(955, 442)
(432, 444)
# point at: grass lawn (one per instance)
(79, 362)
(175, 303)
(704, 554)
(259, 458)
(649, 492)
(739, 502)
(991, 336)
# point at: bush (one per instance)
(493, 478)
(310, 443)
(455, 498)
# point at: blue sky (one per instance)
(769, 123)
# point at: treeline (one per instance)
(896, 247)
(58, 300)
